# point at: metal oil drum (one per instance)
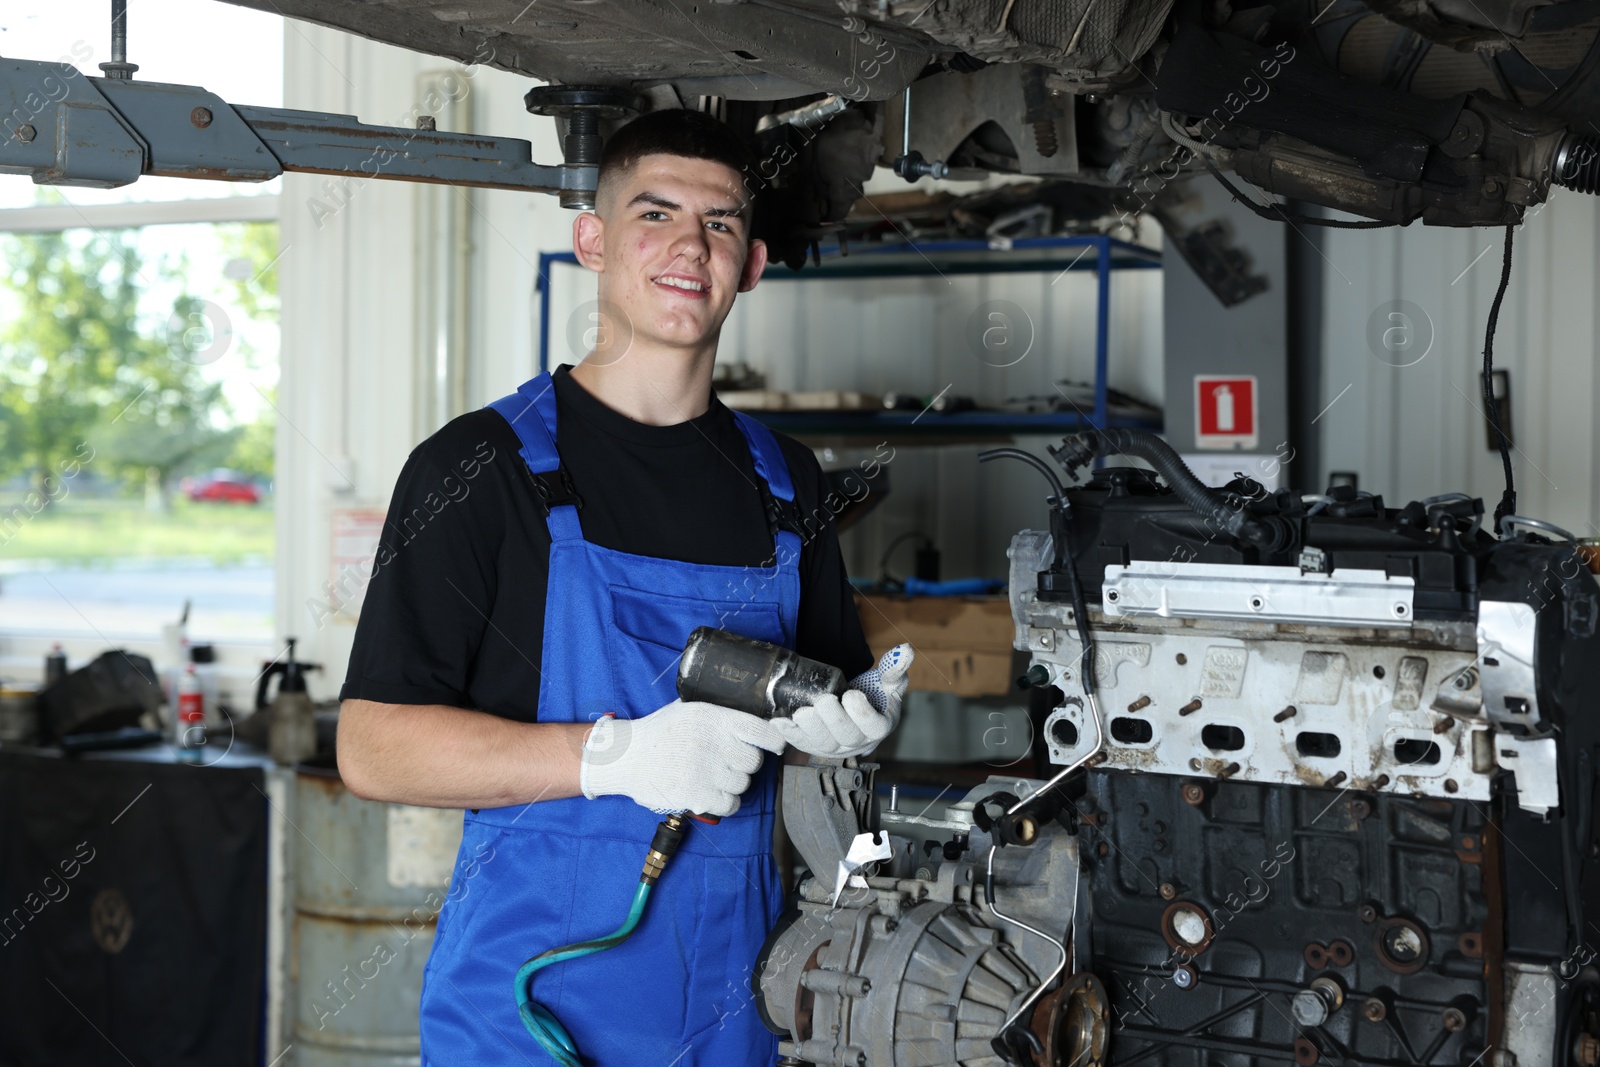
(370, 879)
(19, 712)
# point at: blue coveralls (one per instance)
(533, 877)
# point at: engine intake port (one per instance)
(1415, 752)
(1317, 745)
(1131, 731)
(1220, 738)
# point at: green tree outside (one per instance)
(82, 367)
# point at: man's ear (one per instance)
(588, 241)
(754, 264)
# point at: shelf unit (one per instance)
(1097, 252)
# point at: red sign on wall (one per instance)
(1225, 411)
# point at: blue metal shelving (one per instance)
(1098, 252)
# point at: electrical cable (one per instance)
(1277, 214)
(1080, 612)
(1032, 460)
(1508, 499)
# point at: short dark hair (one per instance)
(674, 132)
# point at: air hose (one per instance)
(536, 1018)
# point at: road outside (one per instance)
(111, 568)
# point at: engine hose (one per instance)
(1078, 450)
(539, 1020)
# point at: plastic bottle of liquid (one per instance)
(191, 719)
(55, 665)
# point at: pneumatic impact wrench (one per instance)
(717, 667)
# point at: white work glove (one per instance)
(687, 756)
(852, 725)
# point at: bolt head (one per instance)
(1309, 1008)
(1183, 977)
(1168, 891)
(26, 133)
(1374, 1010)
(1453, 1019)
(201, 117)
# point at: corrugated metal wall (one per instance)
(1403, 331)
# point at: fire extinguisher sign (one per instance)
(1225, 411)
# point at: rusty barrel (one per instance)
(370, 879)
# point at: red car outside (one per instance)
(222, 486)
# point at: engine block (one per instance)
(1328, 795)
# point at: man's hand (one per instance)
(852, 725)
(688, 756)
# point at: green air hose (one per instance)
(536, 1018)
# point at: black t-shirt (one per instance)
(454, 613)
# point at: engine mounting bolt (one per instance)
(26, 132)
(200, 117)
(1229, 771)
(1309, 1008)
(1454, 1020)
(1450, 785)
(1335, 780)
(1190, 708)
(1491, 188)
(1142, 702)
(1184, 976)
(1168, 891)
(1193, 793)
(1367, 913)
(1443, 725)
(1285, 714)
(1374, 1010)
(1380, 781)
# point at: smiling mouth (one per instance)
(684, 285)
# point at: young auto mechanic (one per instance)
(517, 648)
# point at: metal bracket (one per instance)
(62, 127)
(1268, 594)
(826, 805)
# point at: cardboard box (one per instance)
(963, 644)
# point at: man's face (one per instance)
(672, 248)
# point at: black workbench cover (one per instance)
(132, 913)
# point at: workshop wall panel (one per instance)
(1403, 329)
